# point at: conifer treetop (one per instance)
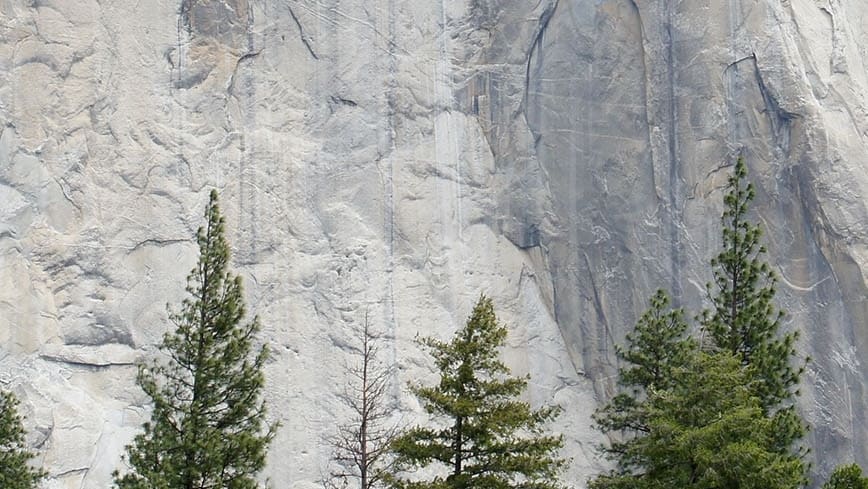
(493, 440)
(15, 471)
(207, 429)
(847, 477)
(743, 319)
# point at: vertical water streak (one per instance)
(583, 124)
(449, 95)
(389, 188)
(246, 201)
(731, 77)
(676, 217)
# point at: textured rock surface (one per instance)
(398, 157)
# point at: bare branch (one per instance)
(361, 444)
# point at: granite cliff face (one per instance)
(397, 158)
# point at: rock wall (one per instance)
(396, 158)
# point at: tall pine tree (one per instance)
(688, 418)
(656, 349)
(15, 473)
(744, 320)
(722, 417)
(491, 439)
(207, 429)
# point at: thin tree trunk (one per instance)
(459, 422)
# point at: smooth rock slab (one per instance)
(396, 158)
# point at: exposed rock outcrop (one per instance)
(398, 157)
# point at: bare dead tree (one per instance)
(361, 445)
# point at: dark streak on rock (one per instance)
(536, 46)
(343, 101)
(676, 260)
(42, 59)
(247, 56)
(183, 20)
(241, 59)
(604, 337)
(779, 119)
(81, 364)
(62, 184)
(168, 55)
(157, 242)
(192, 80)
(65, 473)
(304, 39)
(525, 235)
(738, 61)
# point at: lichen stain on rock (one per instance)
(217, 35)
(224, 21)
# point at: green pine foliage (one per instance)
(721, 416)
(490, 439)
(744, 320)
(706, 430)
(847, 477)
(657, 347)
(207, 429)
(15, 472)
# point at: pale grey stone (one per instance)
(399, 157)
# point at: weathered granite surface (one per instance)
(398, 157)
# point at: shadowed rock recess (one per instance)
(397, 158)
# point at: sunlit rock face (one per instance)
(397, 158)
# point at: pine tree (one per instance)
(744, 320)
(657, 347)
(706, 430)
(847, 477)
(207, 428)
(688, 418)
(492, 440)
(721, 416)
(15, 473)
